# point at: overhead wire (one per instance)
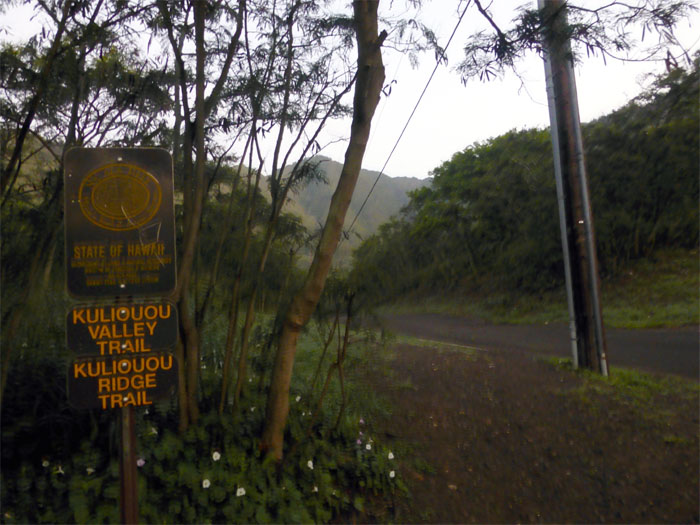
(346, 233)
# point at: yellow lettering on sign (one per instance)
(79, 370)
(121, 383)
(139, 398)
(120, 331)
(138, 250)
(116, 314)
(112, 347)
(124, 381)
(88, 251)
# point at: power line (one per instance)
(415, 107)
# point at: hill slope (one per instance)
(387, 199)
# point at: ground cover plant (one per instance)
(215, 471)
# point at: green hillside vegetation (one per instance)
(389, 196)
(658, 291)
(487, 228)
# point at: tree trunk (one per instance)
(233, 311)
(193, 205)
(250, 313)
(368, 85)
(194, 187)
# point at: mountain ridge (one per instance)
(311, 202)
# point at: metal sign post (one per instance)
(120, 242)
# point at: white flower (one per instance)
(216, 456)
(206, 483)
(90, 470)
(362, 421)
(252, 409)
(58, 470)
(392, 474)
(310, 464)
(240, 492)
(391, 455)
(154, 431)
(45, 463)
(368, 446)
(303, 414)
(145, 411)
(298, 398)
(140, 462)
(315, 489)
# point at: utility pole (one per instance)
(589, 349)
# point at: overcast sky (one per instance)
(452, 116)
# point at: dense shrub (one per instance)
(490, 216)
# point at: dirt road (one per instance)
(500, 437)
(673, 351)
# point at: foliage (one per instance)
(213, 473)
(643, 161)
(658, 291)
(489, 220)
(641, 392)
(611, 30)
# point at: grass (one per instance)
(642, 392)
(657, 292)
(661, 291)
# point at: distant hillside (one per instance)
(388, 197)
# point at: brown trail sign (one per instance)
(120, 242)
(121, 328)
(119, 218)
(107, 382)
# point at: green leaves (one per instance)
(184, 478)
(490, 220)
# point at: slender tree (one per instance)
(194, 155)
(294, 91)
(368, 85)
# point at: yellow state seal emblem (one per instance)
(119, 197)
